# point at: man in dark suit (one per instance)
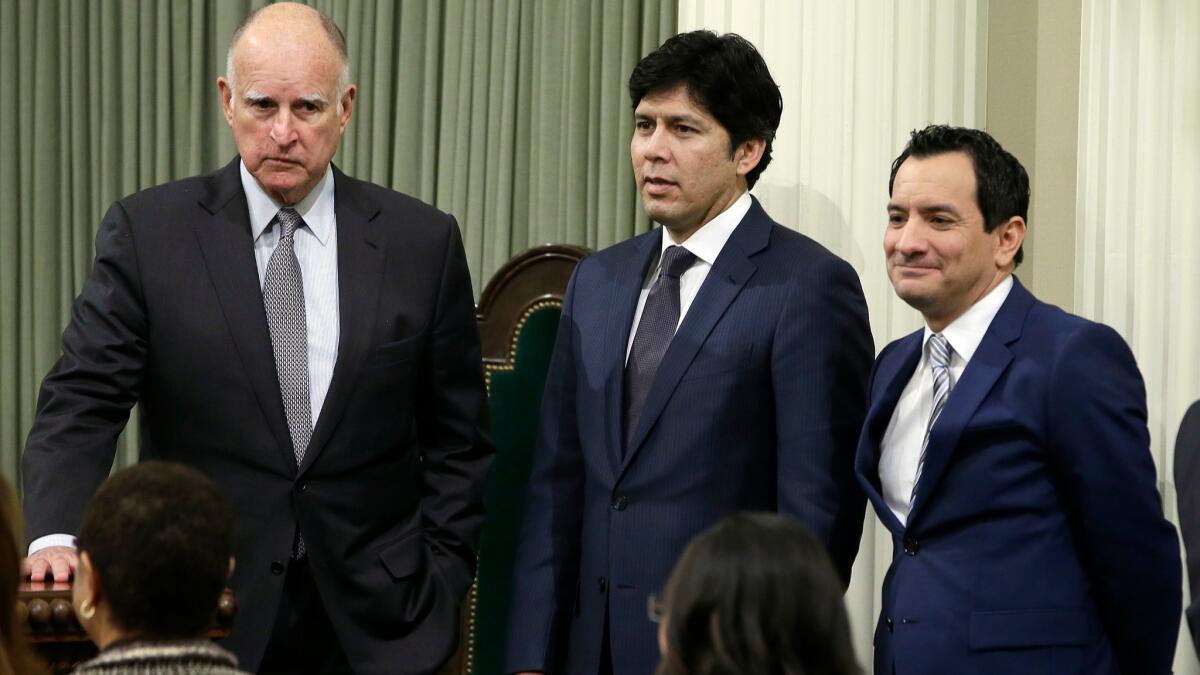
(1006, 448)
(715, 364)
(308, 341)
(1187, 487)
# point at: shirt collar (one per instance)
(706, 243)
(966, 332)
(316, 208)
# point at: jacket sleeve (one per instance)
(1099, 439)
(546, 571)
(820, 365)
(451, 425)
(85, 400)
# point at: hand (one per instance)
(57, 561)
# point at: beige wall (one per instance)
(1033, 110)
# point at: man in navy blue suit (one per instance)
(1006, 448)
(715, 364)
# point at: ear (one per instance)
(88, 571)
(232, 566)
(748, 154)
(1009, 234)
(226, 99)
(348, 105)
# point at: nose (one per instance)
(655, 146)
(908, 238)
(283, 127)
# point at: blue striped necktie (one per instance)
(939, 362)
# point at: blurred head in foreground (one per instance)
(756, 594)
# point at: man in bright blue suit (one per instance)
(1006, 449)
(713, 365)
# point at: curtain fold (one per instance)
(512, 115)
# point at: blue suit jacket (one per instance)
(756, 406)
(1036, 542)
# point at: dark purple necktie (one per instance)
(660, 317)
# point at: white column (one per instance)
(1137, 250)
(856, 76)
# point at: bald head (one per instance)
(289, 25)
(287, 97)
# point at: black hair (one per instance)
(756, 595)
(159, 536)
(1001, 183)
(725, 75)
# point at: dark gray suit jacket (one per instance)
(389, 494)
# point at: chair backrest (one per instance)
(1187, 487)
(518, 317)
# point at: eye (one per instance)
(684, 129)
(643, 125)
(896, 219)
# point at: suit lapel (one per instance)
(729, 273)
(224, 239)
(627, 287)
(893, 373)
(989, 362)
(360, 259)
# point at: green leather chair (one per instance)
(518, 318)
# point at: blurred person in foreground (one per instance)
(755, 594)
(154, 556)
(16, 658)
(1006, 448)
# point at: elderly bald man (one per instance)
(308, 341)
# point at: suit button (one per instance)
(602, 583)
(277, 568)
(619, 503)
(302, 486)
(889, 624)
(911, 546)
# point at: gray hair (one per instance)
(336, 37)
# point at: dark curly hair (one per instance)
(725, 75)
(1001, 183)
(159, 536)
(756, 595)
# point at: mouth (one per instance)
(655, 186)
(282, 160)
(913, 269)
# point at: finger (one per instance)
(61, 567)
(37, 568)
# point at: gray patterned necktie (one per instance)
(660, 318)
(283, 298)
(939, 362)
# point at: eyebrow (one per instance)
(255, 96)
(930, 208)
(690, 120)
(315, 99)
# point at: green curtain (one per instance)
(511, 114)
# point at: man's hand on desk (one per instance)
(57, 561)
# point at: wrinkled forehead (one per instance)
(301, 68)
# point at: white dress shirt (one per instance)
(900, 450)
(706, 244)
(316, 251)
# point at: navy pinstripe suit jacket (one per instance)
(756, 405)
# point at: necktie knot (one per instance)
(939, 351)
(675, 261)
(289, 221)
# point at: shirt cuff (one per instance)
(51, 540)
